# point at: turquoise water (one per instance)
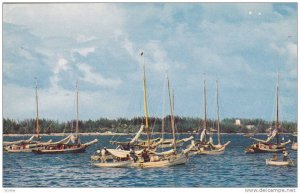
(232, 169)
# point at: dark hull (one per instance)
(71, 150)
(251, 150)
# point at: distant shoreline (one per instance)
(111, 134)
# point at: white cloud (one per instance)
(83, 38)
(185, 39)
(70, 19)
(61, 65)
(89, 75)
(60, 104)
(85, 51)
(158, 57)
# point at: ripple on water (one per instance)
(232, 169)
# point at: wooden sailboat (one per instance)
(150, 143)
(70, 144)
(203, 141)
(208, 148)
(265, 146)
(286, 161)
(168, 143)
(146, 157)
(171, 157)
(31, 143)
(135, 141)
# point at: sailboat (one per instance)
(168, 158)
(207, 147)
(70, 144)
(266, 146)
(29, 144)
(150, 143)
(121, 158)
(168, 143)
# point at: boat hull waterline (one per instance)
(271, 162)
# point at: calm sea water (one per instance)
(232, 169)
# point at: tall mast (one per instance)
(172, 116)
(163, 113)
(162, 127)
(277, 111)
(37, 111)
(173, 106)
(218, 112)
(204, 98)
(145, 104)
(77, 125)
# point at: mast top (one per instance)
(145, 102)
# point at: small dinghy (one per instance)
(271, 162)
(286, 161)
(294, 146)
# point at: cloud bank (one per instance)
(98, 44)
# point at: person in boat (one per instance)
(145, 155)
(275, 157)
(127, 147)
(285, 155)
(127, 158)
(103, 155)
(132, 154)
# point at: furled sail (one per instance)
(203, 135)
(186, 139)
(121, 153)
(274, 132)
(133, 140)
(155, 144)
(137, 136)
(66, 140)
(185, 151)
(91, 142)
(169, 152)
(30, 140)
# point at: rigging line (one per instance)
(274, 108)
(163, 108)
(218, 113)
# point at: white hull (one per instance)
(294, 146)
(177, 160)
(121, 164)
(219, 149)
(211, 152)
(278, 163)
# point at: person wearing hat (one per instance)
(103, 155)
(275, 157)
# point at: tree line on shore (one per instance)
(125, 125)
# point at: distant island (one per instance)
(125, 125)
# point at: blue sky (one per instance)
(243, 45)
